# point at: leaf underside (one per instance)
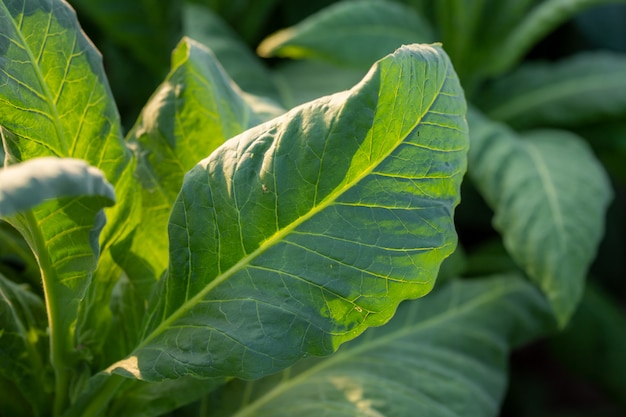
(549, 195)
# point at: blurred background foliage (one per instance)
(577, 372)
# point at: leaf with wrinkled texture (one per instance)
(550, 195)
(443, 355)
(354, 33)
(55, 101)
(195, 110)
(297, 235)
(583, 89)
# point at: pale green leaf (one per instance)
(540, 21)
(585, 88)
(28, 184)
(354, 33)
(23, 358)
(195, 110)
(549, 194)
(297, 235)
(444, 355)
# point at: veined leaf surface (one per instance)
(549, 195)
(444, 355)
(55, 101)
(192, 112)
(300, 233)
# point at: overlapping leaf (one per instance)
(192, 112)
(443, 355)
(295, 236)
(55, 101)
(550, 195)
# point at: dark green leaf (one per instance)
(443, 355)
(354, 33)
(550, 195)
(297, 235)
(586, 88)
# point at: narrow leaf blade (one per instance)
(295, 236)
(354, 33)
(443, 355)
(550, 196)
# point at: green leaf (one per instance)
(22, 337)
(549, 194)
(545, 17)
(26, 185)
(443, 355)
(195, 110)
(583, 89)
(353, 33)
(55, 101)
(295, 236)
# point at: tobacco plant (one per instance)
(227, 255)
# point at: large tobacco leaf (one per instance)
(443, 355)
(55, 101)
(300, 233)
(550, 195)
(194, 110)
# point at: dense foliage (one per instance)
(206, 232)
